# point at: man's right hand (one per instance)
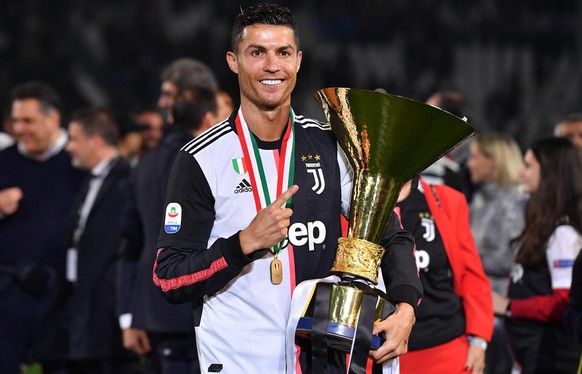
(136, 340)
(269, 226)
(9, 199)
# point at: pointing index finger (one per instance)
(282, 199)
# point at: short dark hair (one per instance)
(264, 14)
(450, 101)
(572, 117)
(97, 121)
(568, 118)
(191, 106)
(47, 96)
(188, 73)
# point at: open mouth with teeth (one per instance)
(271, 82)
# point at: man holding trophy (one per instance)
(253, 210)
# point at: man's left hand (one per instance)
(396, 329)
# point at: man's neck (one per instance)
(266, 125)
(57, 143)
(104, 156)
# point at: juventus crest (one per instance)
(313, 167)
(427, 222)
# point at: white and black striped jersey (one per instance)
(241, 315)
(539, 295)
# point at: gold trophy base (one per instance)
(343, 315)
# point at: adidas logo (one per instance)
(243, 186)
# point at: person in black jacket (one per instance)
(37, 190)
(152, 327)
(92, 337)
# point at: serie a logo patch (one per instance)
(565, 263)
(173, 218)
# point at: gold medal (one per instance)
(276, 271)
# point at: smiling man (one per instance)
(37, 189)
(250, 222)
(93, 336)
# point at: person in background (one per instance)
(454, 322)
(130, 145)
(225, 104)
(573, 315)
(150, 117)
(38, 185)
(570, 127)
(497, 217)
(498, 206)
(151, 327)
(91, 333)
(6, 137)
(180, 75)
(225, 215)
(450, 169)
(542, 272)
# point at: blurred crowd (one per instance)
(516, 63)
(83, 202)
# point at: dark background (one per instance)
(517, 62)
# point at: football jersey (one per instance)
(213, 198)
(440, 317)
(538, 344)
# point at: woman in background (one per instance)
(497, 217)
(542, 273)
(497, 208)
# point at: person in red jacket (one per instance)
(454, 321)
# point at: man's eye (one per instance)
(255, 53)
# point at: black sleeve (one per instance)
(399, 264)
(129, 250)
(185, 268)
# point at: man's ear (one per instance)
(210, 119)
(232, 61)
(299, 58)
(54, 118)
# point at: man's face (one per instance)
(34, 129)
(155, 122)
(267, 61)
(224, 106)
(168, 93)
(81, 148)
(573, 131)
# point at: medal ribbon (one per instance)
(254, 164)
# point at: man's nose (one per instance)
(18, 127)
(272, 62)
